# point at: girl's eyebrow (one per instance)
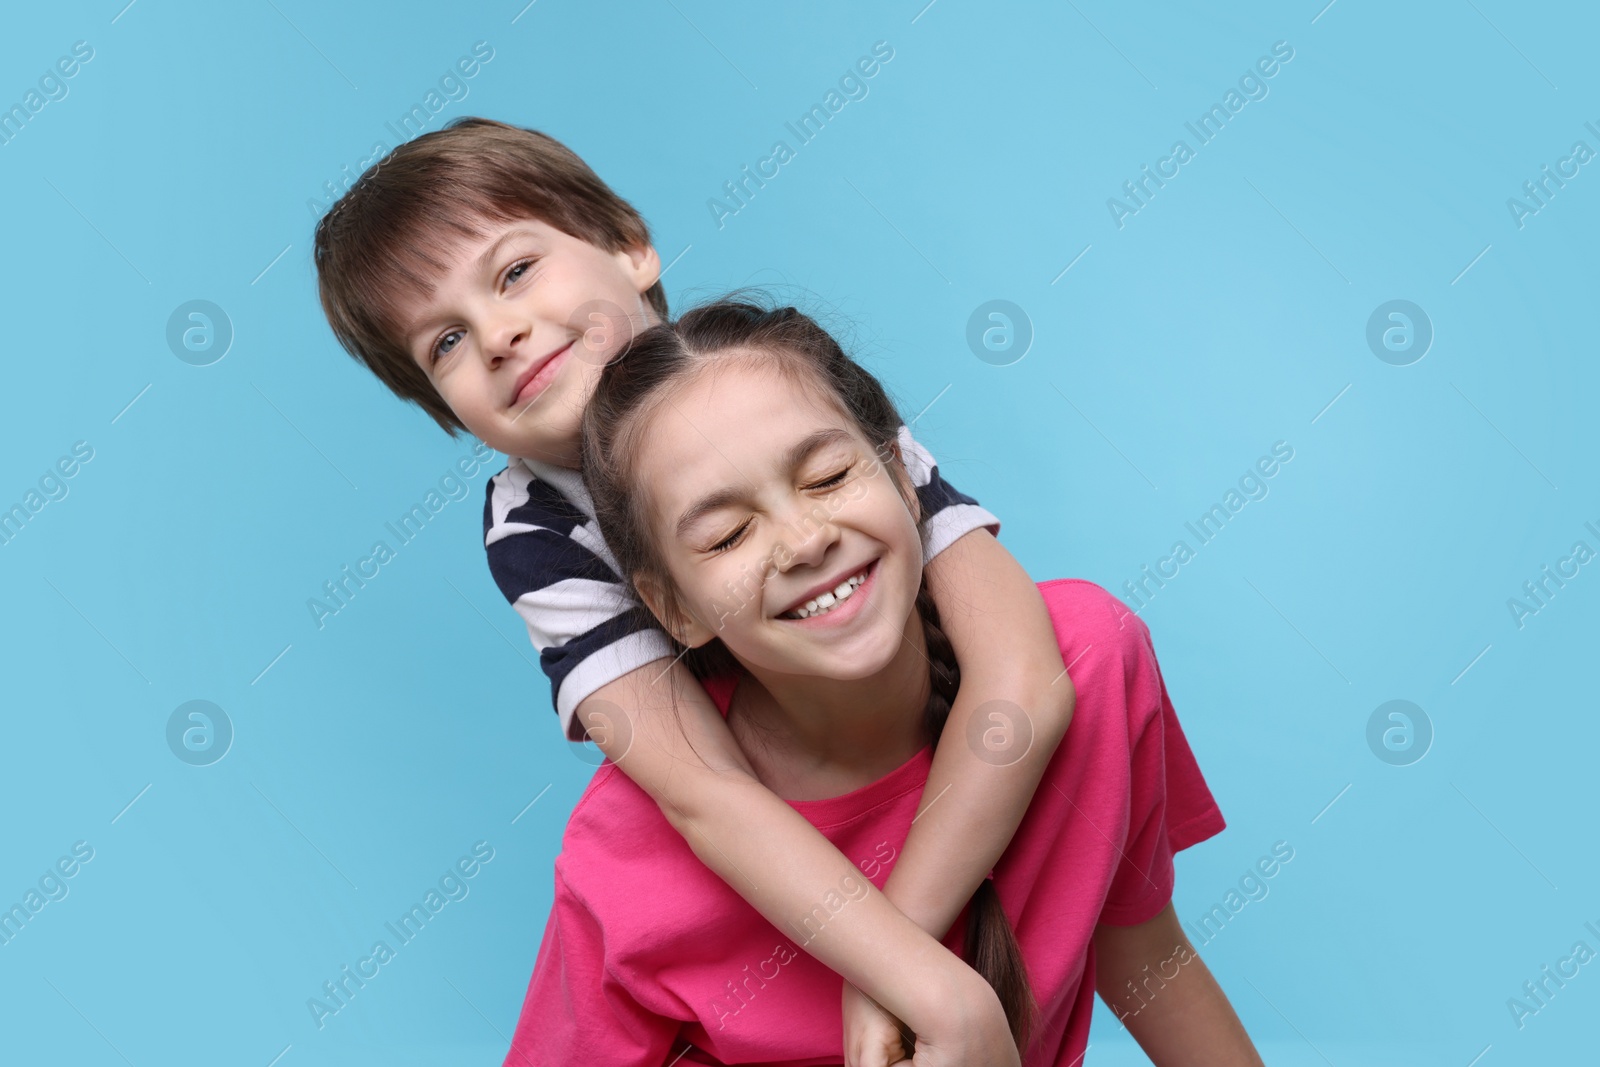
(803, 450)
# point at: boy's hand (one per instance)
(970, 1032)
(871, 1035)
(969, 1029)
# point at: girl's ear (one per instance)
(686, 631)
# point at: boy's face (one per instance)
(520, 325)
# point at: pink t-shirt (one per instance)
(649, 958)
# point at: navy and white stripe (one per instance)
(548, 558)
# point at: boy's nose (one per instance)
(503, 336)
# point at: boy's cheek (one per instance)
(464, 405)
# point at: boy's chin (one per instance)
(543, 447)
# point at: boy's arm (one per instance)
(991, 756)
(1159, 988)
(686, 758)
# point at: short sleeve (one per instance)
(949, 513)
(1170, 805)
(551, 564)
(576, 1011)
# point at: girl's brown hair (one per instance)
(794, 345)
(374, 248)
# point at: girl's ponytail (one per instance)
(991, 946)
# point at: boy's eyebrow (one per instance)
(721, 498)
(494, 249)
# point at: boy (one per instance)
(484, 273)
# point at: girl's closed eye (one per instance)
(731, 540)
(830, 482)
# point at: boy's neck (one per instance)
(812, 738)
(561, 464)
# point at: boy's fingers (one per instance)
(876, 1056)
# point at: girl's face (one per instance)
(763, 498)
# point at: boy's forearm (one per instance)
(1012, 709)
(1161, 990)
(763, 848)
(785, 869)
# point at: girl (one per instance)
(746, 474)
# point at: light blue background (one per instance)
(1228, 314)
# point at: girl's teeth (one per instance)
(824, 603)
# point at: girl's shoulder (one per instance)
(1096, 630)
(617, 841)
(611, 800)
(1077, 604)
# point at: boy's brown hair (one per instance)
(375, 247)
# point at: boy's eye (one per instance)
(731, 540)
(516, 271)
(445, 345)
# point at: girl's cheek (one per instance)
(779, 558)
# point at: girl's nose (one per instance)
(808, 533)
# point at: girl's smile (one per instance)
(834, 604)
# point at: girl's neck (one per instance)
(811, 738)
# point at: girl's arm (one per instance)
(688, 761)
(1157, 985)
(983, 778)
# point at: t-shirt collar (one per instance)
(567, 482)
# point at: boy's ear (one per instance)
(686, 631)
(643, 265)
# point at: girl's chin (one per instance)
(866, 657)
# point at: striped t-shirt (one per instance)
(547, 556)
